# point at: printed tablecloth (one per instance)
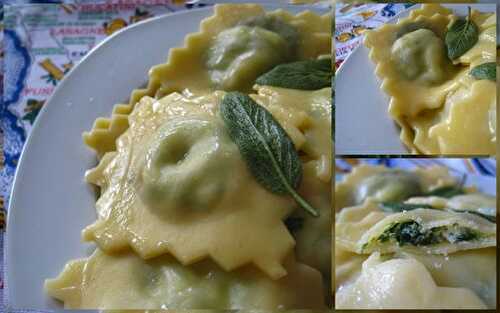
(352, 20)
(42, 42)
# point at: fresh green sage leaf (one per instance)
(461, 37)
(303, 75)
(485, 71)
(265, 146)
(396, 207)
(445, 192)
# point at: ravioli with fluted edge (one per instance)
(237, 39)
(178, 184)
(126, 281)
(431, 76)
(396, 228)
(214, 181)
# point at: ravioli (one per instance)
(185, 69)
(402, 284)
(442, 242)
(125, 281)
(385, 184)
(440, 108)
(471, 269)
(314, 237)
(235, 59)
(177, 144)
(472, 202)
(306, 117)
(182, 221)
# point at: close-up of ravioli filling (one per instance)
(439, 72)
(413, 239)
(215, 187)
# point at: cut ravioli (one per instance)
(125, 281)
(428, 231)
(186, 68)
(177, 184)
(439, 107)
(352, 222)
(402, 284)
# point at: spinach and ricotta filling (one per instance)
(411, 232)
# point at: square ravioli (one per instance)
(125, 281)
(215, 180)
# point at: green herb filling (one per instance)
(411, 233)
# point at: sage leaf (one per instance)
(396, 207)
(461, 37)
(303, 75)
(445, 192)
(485, 71)
(491, 218)
(264, 145)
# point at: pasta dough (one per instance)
(441, 109)
(384, 184)
(402, 284)
(306, 118)
(472, 269)
(186, 72)
(181, 221)
(218, 227)
(125, 281)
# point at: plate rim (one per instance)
(13, 195)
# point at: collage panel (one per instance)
(305, 156)
(414, 233)
(419, 79)
(166, 155)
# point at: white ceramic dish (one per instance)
(50, 202)
(363, 126)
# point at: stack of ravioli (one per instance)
(439, 105)
(413, 240)
(181, 221)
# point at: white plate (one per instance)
(50, 202)
(363, 125)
